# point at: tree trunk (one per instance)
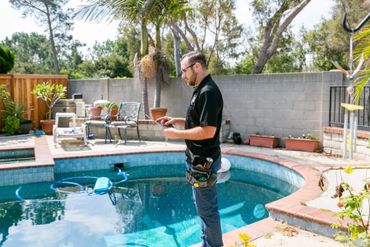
(157, 57)
(143, 80)
(260, 64)
(157, 95)
(143, 39)
(52, 42)
(158, 43)
(274, 29)
(178, 30)
(176, 52)
(145, 97)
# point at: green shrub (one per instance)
(6, 60)
(3, 93)
(50, 93)
(12, 115)
(354, 205)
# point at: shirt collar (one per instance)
(200, 85)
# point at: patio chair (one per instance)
(102, 120)
(127, 117)
(68, 132)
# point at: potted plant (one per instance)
(95, 111)
(114, 109)
(306, 142)
(50, 93)
(263, 141)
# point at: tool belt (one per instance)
(200, 173)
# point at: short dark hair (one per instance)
(196, 57)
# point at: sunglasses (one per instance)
(184, 70)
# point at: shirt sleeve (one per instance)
(209, 109)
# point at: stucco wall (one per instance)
(272, 104)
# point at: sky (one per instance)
(89, 32)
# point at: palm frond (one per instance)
(108, 10)
(362, 39)
(360, 83)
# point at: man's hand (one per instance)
(166, 121)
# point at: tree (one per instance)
(290, 56)
(212, 28)
(31, 52)
(50, 14)
(328, 41)
(106, 59)
(274, 16)
(141, 13)
(6, 60)
(130, 34)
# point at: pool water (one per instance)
(153, 208)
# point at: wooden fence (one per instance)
(20, 87)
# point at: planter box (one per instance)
(302, 144)
(264, 141)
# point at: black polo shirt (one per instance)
(205, 109)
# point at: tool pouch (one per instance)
(200, 174)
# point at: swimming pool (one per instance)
(153, 208)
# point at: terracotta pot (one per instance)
(264, 141)
(302, 144)
(47, 126)
(113, 114)
(95, 112)
(158, 112)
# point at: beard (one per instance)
(192, 79)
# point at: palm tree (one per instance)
(362, 49)
(157, 12)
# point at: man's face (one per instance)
(188, 73)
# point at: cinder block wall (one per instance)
(271, 104)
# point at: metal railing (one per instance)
(338, 95)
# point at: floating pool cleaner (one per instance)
(223, 174)
(102, 185)
(225, 165)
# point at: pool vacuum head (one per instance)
(102, 185)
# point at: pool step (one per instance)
(26, 164)
(16, 155)
(307, 218)
(17, 159)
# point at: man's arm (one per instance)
(196, 133)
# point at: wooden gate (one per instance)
(20, 87)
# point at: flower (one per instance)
(244, 237)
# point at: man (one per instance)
(201, 133)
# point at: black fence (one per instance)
(338, 95)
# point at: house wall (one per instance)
(271, 104)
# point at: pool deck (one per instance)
(309, 204)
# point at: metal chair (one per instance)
(127, 117)
(102, 120)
